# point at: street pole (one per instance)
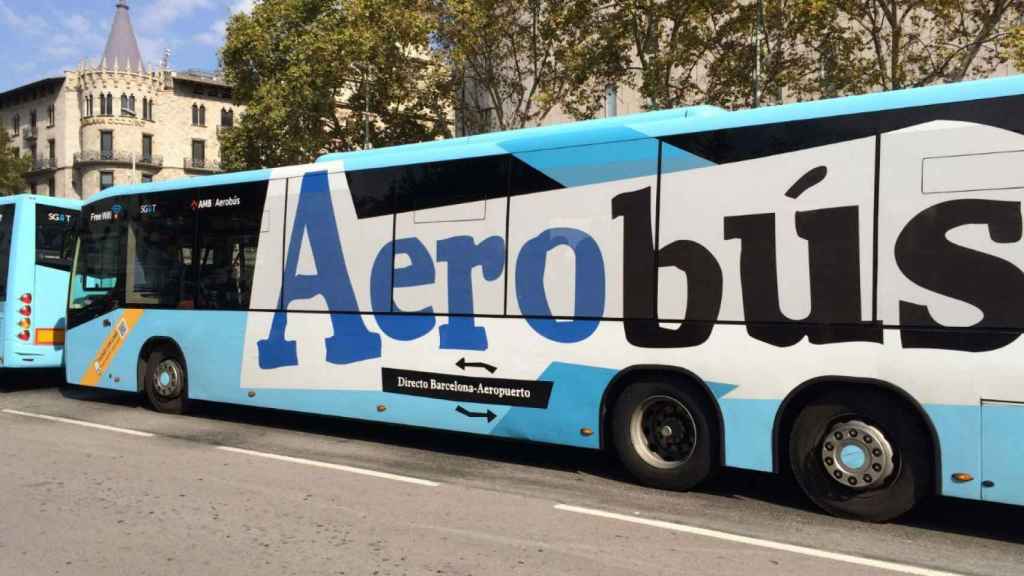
(758, 28)
(366, 114)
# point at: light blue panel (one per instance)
(575, 404)
(580, 166)
(49, 303)
(675, 159)
(182, 184)
(584, 133)
(959, 431)
(939, 94)
(20, 279)
(749, 425)
(1003, 452)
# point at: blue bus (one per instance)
(832, 288)
(35, 262)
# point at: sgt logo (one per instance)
(147, 209)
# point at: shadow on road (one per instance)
(30, 379)
(964, 517)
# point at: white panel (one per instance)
(488, 295)
(973, 172)
(695, 203)
(361, 240)
(900, 200)
(266, 286)
(585, 208)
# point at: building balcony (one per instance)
(117, 157)
(30, 132)
(202, 165)
(43, 165)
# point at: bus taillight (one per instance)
(24, 323)
(26, 298)
(24, 336)
(25, 310)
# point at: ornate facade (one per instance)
(117, 122)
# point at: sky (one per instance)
(42, 38)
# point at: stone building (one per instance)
(117, 122)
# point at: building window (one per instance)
(125, 111)
(53, 151)
(107, 145)
(32, 119)
(198, 115)
(198, 153)
(107, 104)
(51, 116)
(202, 115)
(227, 118)
(52, 187)
(35, 189)
(195, 115)
(16, 122)
(147, 147)
(147, 109)
(146, 178)
(106, 180)
(88, 106)
(131, 104)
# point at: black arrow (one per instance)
(462, 364)
(489, 415)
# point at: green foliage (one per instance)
(308, 70)
(12, 167)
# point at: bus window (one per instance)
(52, 225)
(160, 239)
(229, 231)
(6, 229)
(99, 263)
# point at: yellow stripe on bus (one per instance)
(111, 345)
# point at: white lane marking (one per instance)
(80, 423)
(880, 564)
(330, 466)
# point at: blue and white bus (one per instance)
(834, 288)
(34, 271)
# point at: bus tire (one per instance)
(166, 381)
(859, 454)
(663, 435)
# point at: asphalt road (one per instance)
(245, 491)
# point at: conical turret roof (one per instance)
(122, 51)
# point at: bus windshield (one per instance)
(6, 229)
(97, 267)
(52, 225)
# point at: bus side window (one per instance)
(229, 234)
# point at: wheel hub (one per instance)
(857, 455)
(167, 379)
(663, 432)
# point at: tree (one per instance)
(917, 42)
(509, 59)
(12, 166)
(314, 75)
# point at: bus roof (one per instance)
(44, 200)
(669, 122)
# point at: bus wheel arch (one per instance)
(154, 353)
(678, 389)
(814, 393)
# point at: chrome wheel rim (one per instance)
(168, 379)
(857, 455)
(663, 432)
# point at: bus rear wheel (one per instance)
(663, 435)
(859, 454)
(166, 381)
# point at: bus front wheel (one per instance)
(859, 454)
(166, 382)
(663, 435)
